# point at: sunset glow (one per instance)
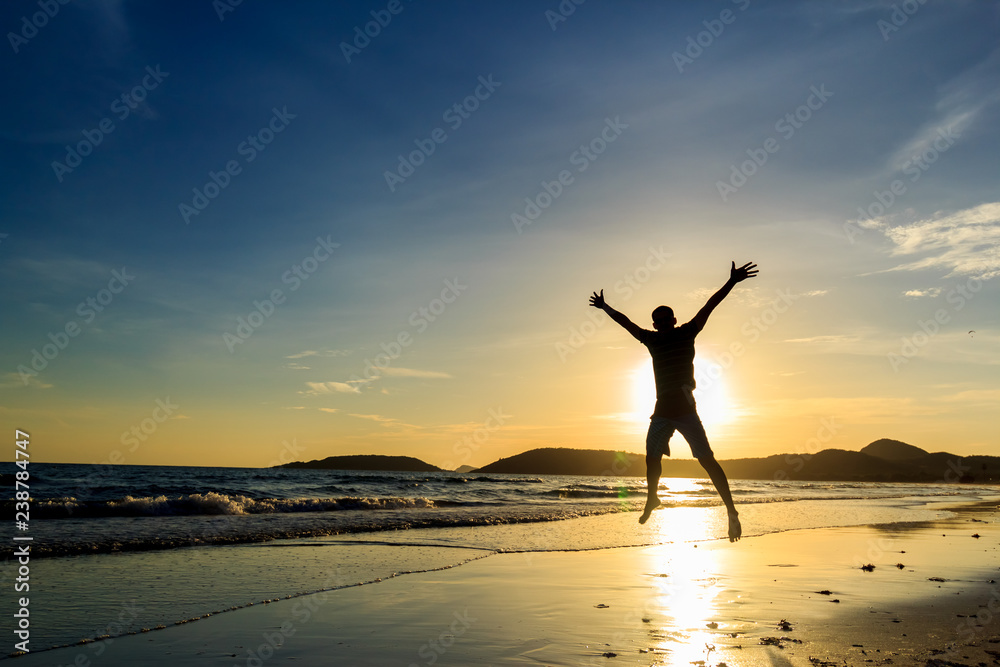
(711, 396)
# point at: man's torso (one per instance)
(672, 351)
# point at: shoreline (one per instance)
(64, 536)
(646, 604)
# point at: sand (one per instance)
(799, 597)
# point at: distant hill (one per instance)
(826, 465)
(884, 460)
(893, 450)
(566, 461)
(365, 462)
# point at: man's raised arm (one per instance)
(597, 301)
(736, 275)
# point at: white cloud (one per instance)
(988, 398)
(919, 293)
(961, 103)
(320, 388)
(754, 297)
(933, 139)
(391, 424)
(965, 243)
(13, 380)
(412, 373)
(319, 353)
(836, 338)
(354, 386)
(375, 418)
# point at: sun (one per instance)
(711, 395)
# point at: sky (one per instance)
(240, 234)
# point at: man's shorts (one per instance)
(662, 428)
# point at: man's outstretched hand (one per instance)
(597, 301)
(748, 270)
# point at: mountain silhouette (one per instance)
(566, 461)
(884, 460)
(893, 450)
(365, 462)
(895, 462)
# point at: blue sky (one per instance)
(859, 288)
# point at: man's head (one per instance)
(663, 318)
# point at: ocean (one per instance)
(127, 549)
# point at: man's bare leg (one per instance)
(718, 478)
(653, 470)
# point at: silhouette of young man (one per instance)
(672, 349)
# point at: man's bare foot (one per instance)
(651, 504)
(735, 529)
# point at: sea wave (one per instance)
(213, 503)
(124, 534)
(610, 486)
(595, 493)
(493, 480)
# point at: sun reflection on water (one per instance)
(685, 599)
